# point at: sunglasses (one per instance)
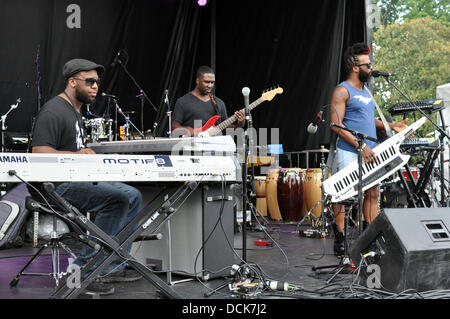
(369, 65)
(89, 81)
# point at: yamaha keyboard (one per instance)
(39, 167)
(174, 146)
(430, 106)
(419, 142)
(388, 159)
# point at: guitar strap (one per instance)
(214, 103)
(389, 131)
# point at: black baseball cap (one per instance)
(77, 65)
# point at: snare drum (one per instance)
(260, 189)
(271, 195)
(290, 193)
(99, 129)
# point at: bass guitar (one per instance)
(210, 130)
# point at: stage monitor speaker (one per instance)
(412, 247)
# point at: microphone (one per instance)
(312, 127)
(110, 95)
(116, 59)
(376, 73)
(246, 94)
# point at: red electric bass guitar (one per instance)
(210, 130)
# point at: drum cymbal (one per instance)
(320, 150)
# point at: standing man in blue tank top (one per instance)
(353, 107)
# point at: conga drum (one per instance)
(290, 193)
(313, 189)
(260, 189)
(271, 195)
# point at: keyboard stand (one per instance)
(425, 176)
(155, 213)
(412, 200)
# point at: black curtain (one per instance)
(259, 44)
(293, 44)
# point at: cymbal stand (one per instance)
(127, 120)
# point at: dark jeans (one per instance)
(114, 204)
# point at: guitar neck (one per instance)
(232, 118)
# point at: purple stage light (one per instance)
(202, 3)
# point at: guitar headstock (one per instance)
(269, 94)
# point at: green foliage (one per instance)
(397, 10)
(418, 52)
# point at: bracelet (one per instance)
(363, 145)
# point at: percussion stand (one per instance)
(322, 201)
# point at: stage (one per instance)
(288, 259)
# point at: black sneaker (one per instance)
(125, 275)
(339, 249)
(99, 287)
(338, 245)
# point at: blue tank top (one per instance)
(359, 116)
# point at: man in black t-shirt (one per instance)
(195, 108)
(59, 129)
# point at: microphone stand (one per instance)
(137, 85)
(359, 138)
(169, 113)
(346, 261)
(38, 79)
(142, 98)
(249, 123)
(3, 120)
(442, 134)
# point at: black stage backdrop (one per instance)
(259, 44)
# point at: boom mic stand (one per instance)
(441, 136)
(141, 91)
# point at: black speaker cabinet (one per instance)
(412, 248)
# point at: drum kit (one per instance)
(292, 194)
(99, 129)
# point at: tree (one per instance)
(393, 11)
(418, 52)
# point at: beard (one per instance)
(83, 98)
(363, 76)
(204, 91)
